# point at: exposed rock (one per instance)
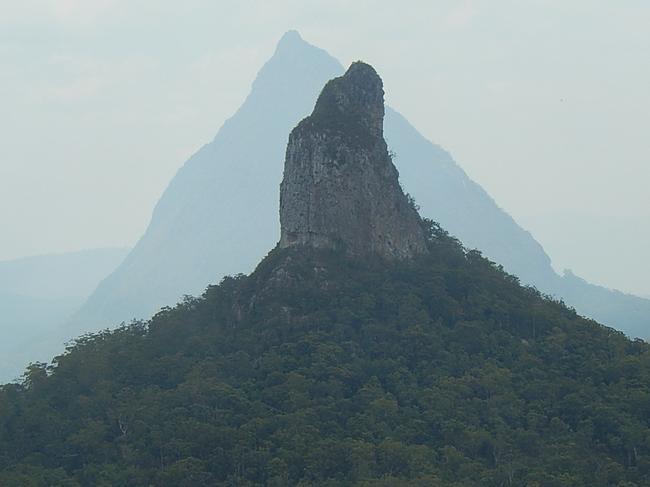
(340, 187)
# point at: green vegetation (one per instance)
(318, 370)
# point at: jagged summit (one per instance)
(340, 188)
(290, 38)
(353, 102)
(292, 48)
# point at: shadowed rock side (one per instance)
(340, 188)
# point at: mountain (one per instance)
(55, 276)
(607, 305)
(445, 193)
(37, 295)
(337, 365)
(196, 236)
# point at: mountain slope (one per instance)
(447, 195)
(53, 276)
(219, 213)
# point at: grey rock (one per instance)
(340, 188)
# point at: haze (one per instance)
(544, 104)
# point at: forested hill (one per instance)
(326, 371)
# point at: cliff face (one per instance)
(340, 188)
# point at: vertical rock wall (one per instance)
(340, 188)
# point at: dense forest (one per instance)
(322, 370)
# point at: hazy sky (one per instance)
(545, 103)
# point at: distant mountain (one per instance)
(37, 295)
(220, 213)
(342, 361)
(447, 195)
(620, 310)
(54, 276)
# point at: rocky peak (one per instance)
(340, 188)
(290, 39)
(353, 102)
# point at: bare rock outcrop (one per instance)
(340, 188)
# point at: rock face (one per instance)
(340, 188)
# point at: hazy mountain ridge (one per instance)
(219, 213)
(30, 331)
(37, 295)
(447, 195)
(51, 276)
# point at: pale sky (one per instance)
(545, 103)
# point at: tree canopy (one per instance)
(326, 371)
